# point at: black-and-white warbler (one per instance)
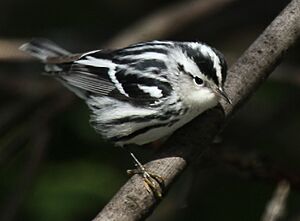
(143, 92)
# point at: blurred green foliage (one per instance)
(64, 188)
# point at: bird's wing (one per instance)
(103, 73)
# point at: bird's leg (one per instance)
(153, 183)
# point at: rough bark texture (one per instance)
(133, 202)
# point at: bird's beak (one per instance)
(220, 91)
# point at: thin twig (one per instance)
(158, 25)
(133, 202)
(10, 50)
(25, 86)
(21, 110)
(39, 144)
(275, 208)
(167, 21)
(255, 166)
(38, 129)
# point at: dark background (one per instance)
(53, 166)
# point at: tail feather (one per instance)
(49, 53)
(57, 61)
(43, 49)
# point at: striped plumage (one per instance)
(143, 92)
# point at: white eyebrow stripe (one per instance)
(216, 60)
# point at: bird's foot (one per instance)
(153, 183)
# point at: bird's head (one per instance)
(202, 73)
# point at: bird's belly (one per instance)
(163, 131)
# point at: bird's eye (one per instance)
(198, 80)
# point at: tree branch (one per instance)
(10, 50)
(133, 202)
(275, 208)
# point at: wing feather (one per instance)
(99, 76)
(135, 74)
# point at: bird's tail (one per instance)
(43, 49)
(57, 61)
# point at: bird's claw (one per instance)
(153, 183)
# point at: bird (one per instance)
(140, 93)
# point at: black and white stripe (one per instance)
(133, 92)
